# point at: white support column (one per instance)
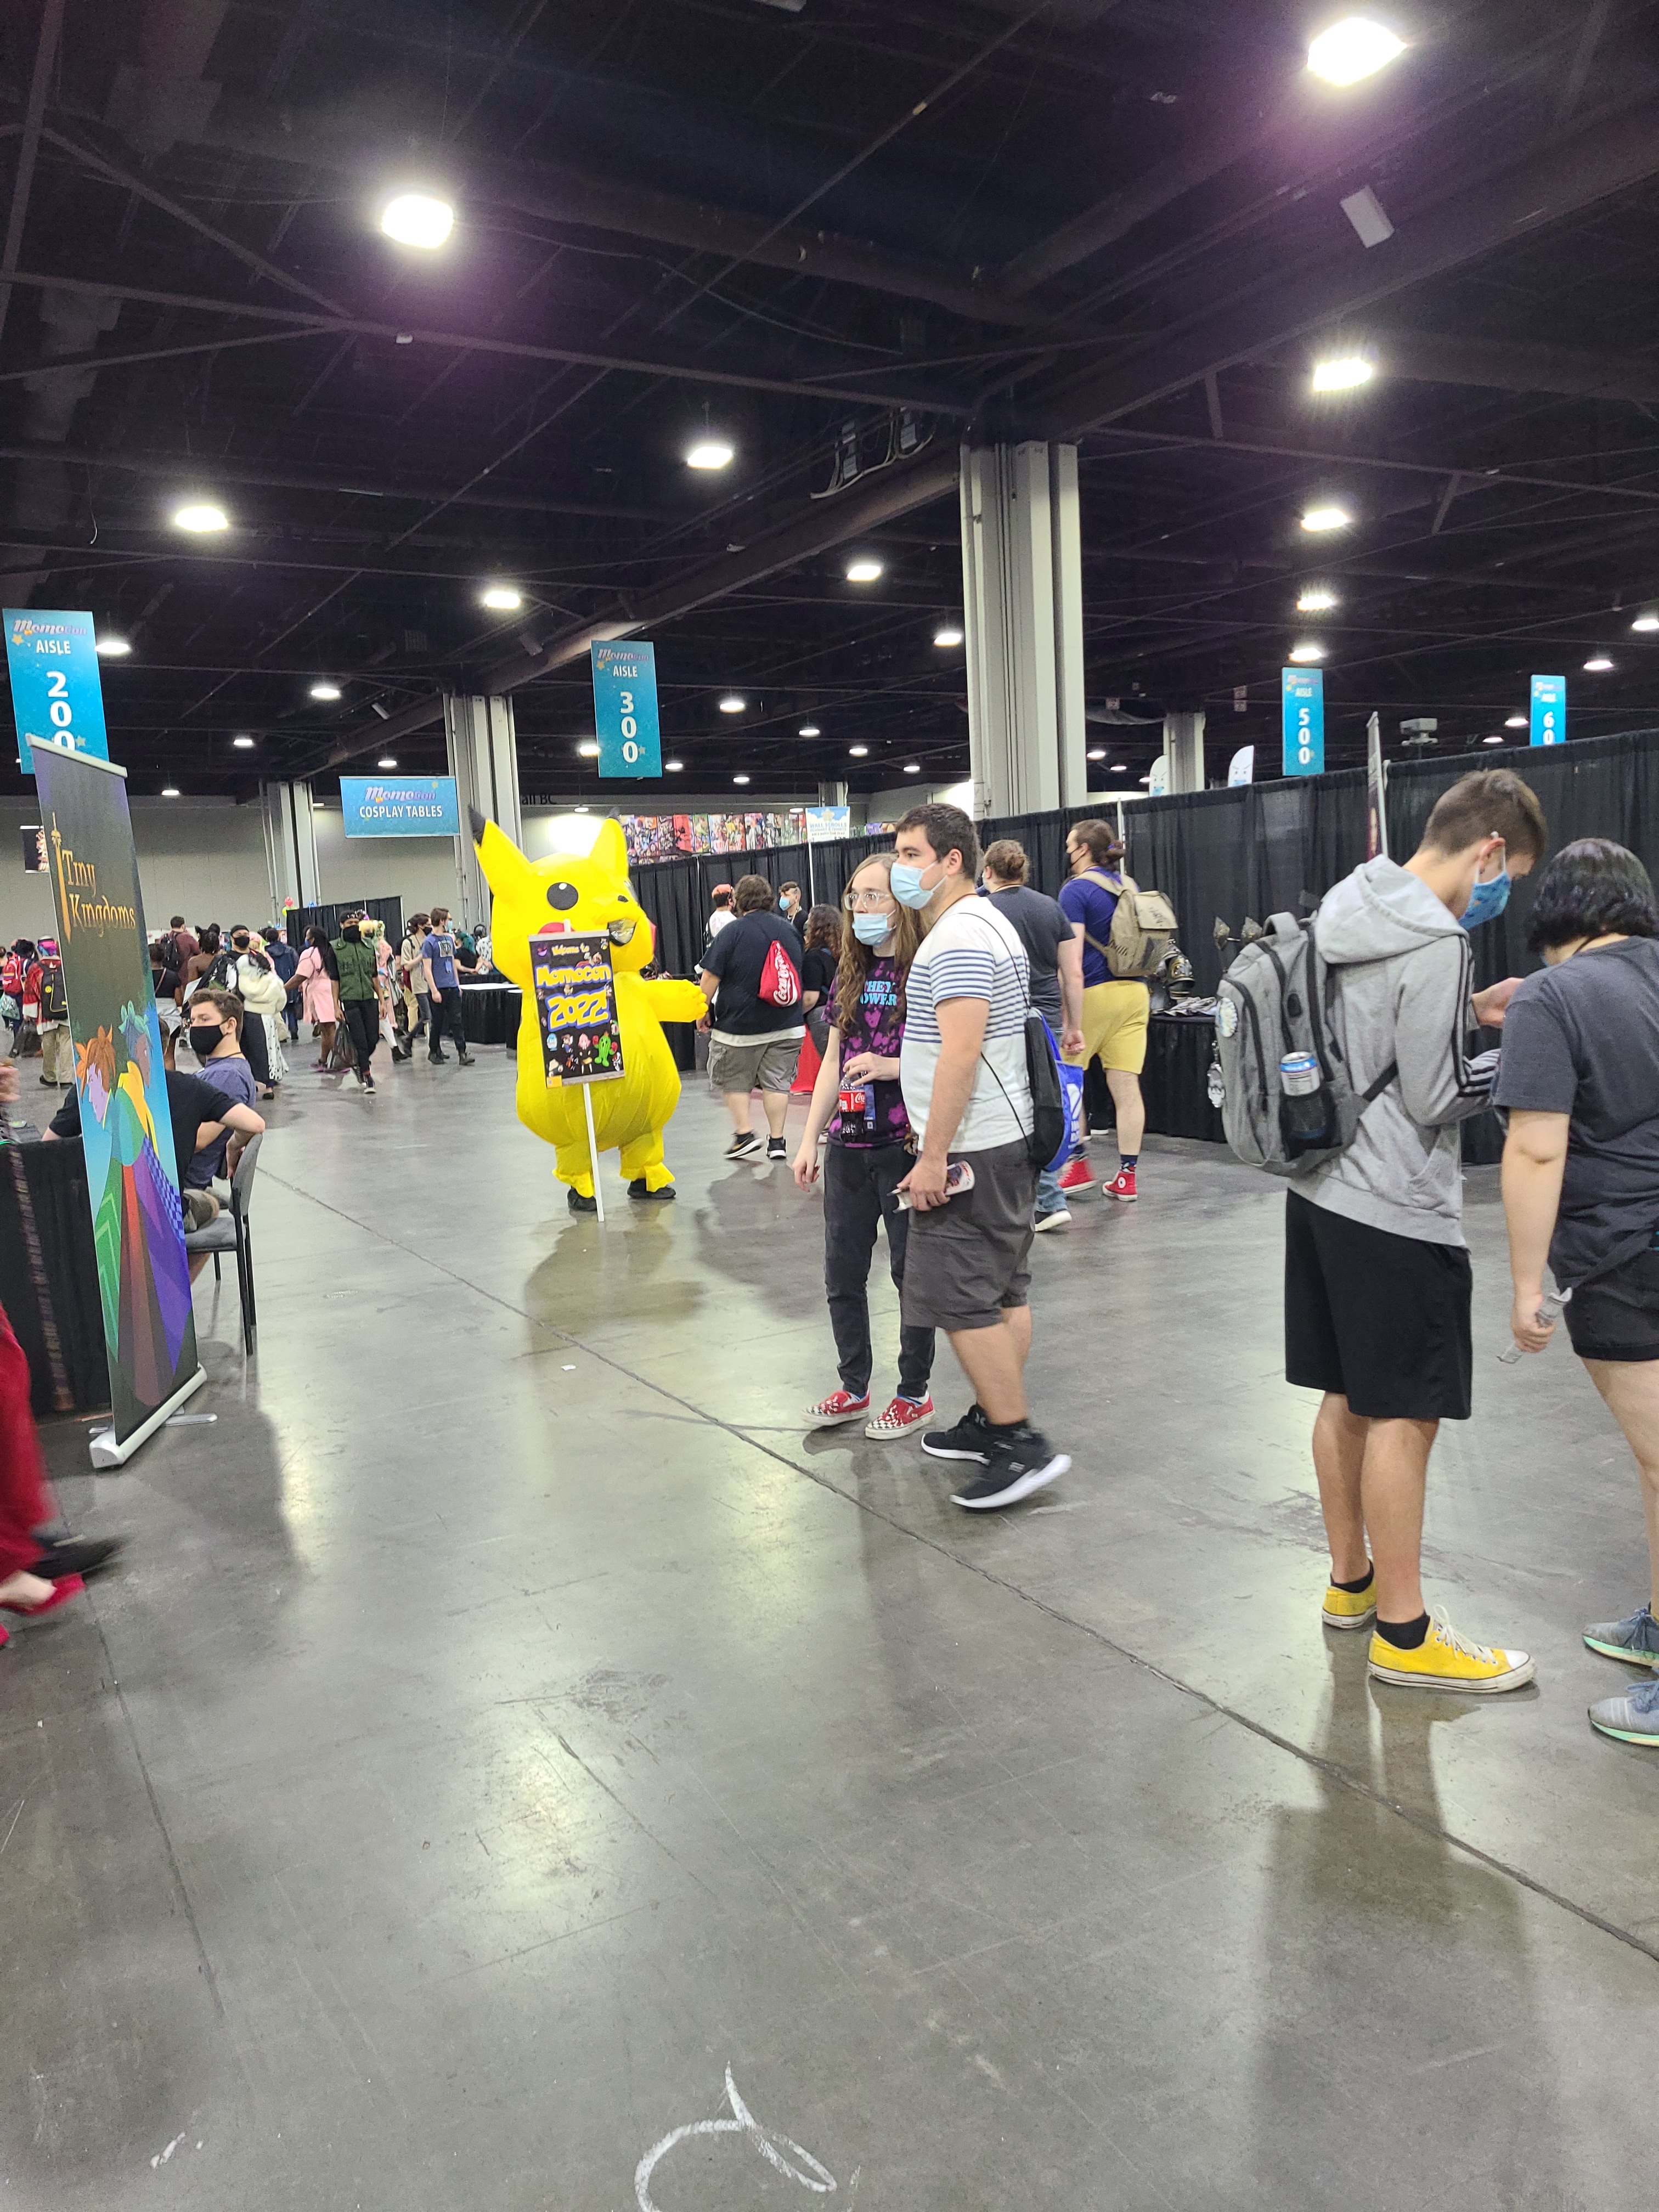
(1022, 569)
(290, 845)
(1183, 748)
(483, 759)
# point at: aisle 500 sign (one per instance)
(57, 694)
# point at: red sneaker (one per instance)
(900, 1416)
(1122, 1185)
(840, 1405)
(1075, 1176)
(66, 1587)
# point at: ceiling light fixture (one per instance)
(1306, 651)
(325, 690)
(734, 703)
(949, 635)
(809, 730)
(1095, 752)
(739, 779)
(114, 649)
(1516, 722)
(385, 761)
(1317, 599)
(503, 598)
(1341, 373)
(1332, 517)
(709, 454)
(913, 767)
(243, 745)
(1352, 50)
(1497, 739)
(199, 516)
(1120, 768)
(1597, 665)
(857, 752)
(589, 749)
(578, 810)
(672, 768)
(864, 570)
(417, 219)
(1647, 620)
(169, 791)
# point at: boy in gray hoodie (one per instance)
(1377, 1276)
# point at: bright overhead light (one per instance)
(1352, 50)
(709, 454)
(739, 779)
(857, 752)
(114, 649)
(1329, 518)
(949, 635)
(1317, 599)
(325, 690)
(809, 730)
(1598, 664)
(503, 598)
(169, 791)
(864, 570)
(578, 810)
(1497, 739)
(734, 703)
(385, 761)
(1144, 779)
(589, 749)
(912, 767)
(417, 219)
(1120, 768)
(1308, 652)
(200, 515)
(672, 768)
(1648, 621)
(1516, 722)
(243, 745)
(1096, 752)
(1342, 374)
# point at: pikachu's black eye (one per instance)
(562, 896)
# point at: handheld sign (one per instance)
(576, 1013)
(625, 710)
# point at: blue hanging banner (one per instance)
(625, 710)
(404, 806)
(1549, 710)
(56, 693)
(1304, 695)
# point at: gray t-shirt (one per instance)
(1583, 1039)
(1043, 928)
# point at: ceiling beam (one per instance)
(1509, 365)
(22, 176)
(1606, 154)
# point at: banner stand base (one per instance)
(106, 1453)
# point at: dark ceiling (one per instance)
(821, 227)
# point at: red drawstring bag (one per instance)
(779, 982)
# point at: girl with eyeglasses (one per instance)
(858, 1107)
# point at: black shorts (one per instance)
(1380, 1320)
(1617, 1316)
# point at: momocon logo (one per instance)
(23, 627)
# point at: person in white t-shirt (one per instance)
(962, 1071)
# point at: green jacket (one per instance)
(356, 968)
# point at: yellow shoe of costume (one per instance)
(1446, 1661)
(1350, 1608)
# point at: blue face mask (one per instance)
(905, 883)
(870, 928)
(1488, 901)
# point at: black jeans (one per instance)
(446, 1016)
(256, 1049)
(362, 1018)
(858, 1185)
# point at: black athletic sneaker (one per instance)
(1017, 1465)
(464, 1058)
(75, 1555)
(642, 1190)
(968, 1440)
(776, 1149)
(745, 1147)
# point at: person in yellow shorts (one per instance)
(1115, 1010)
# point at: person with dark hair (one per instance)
(968, 1094)
(790, 906)
(360, 994)
(818, 970)
(721, 915)
(1377, 1278)
(284, 959)
(1116, 1008)
(254, 979)
(443, 988)
(1580, 1077)
(751, 979)
(858, 1109)
(1056, 953)
(318, 977)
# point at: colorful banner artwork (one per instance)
(576, 999)
(667, 836)
(34, 850)
(132, 1178)
(407, 806)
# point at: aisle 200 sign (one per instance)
(625, 710)
(57, 694)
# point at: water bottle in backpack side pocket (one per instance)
(1304, 1105)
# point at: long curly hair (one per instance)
(855, 958)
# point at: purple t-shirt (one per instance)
(879, 1027)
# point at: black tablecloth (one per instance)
(57, 1180)
(490, 1013)
(1178, 1049)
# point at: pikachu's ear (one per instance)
(505, 867)
(610, 849)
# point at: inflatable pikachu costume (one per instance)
(589, 893)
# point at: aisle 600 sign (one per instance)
(625, 710)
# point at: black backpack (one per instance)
(221, 977)
(54, 999)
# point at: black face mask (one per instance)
(351, 932)
(206, 1042)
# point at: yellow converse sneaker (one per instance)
(1446, 1661)
(1350, 1608)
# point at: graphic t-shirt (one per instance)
(878, 1026)
(441, 951)
(971, 952)
(1583, 1039)
(737, 956)
(1084, 900)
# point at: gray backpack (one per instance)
(1278, 998)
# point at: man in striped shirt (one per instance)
(962, 1069)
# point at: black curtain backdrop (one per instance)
(57, 1180)
(327, 918)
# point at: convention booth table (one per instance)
(490, 1013)
(56, 1176)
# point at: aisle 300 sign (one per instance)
(625, 710)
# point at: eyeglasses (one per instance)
(872, 901)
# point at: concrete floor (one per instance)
(508, 1721)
